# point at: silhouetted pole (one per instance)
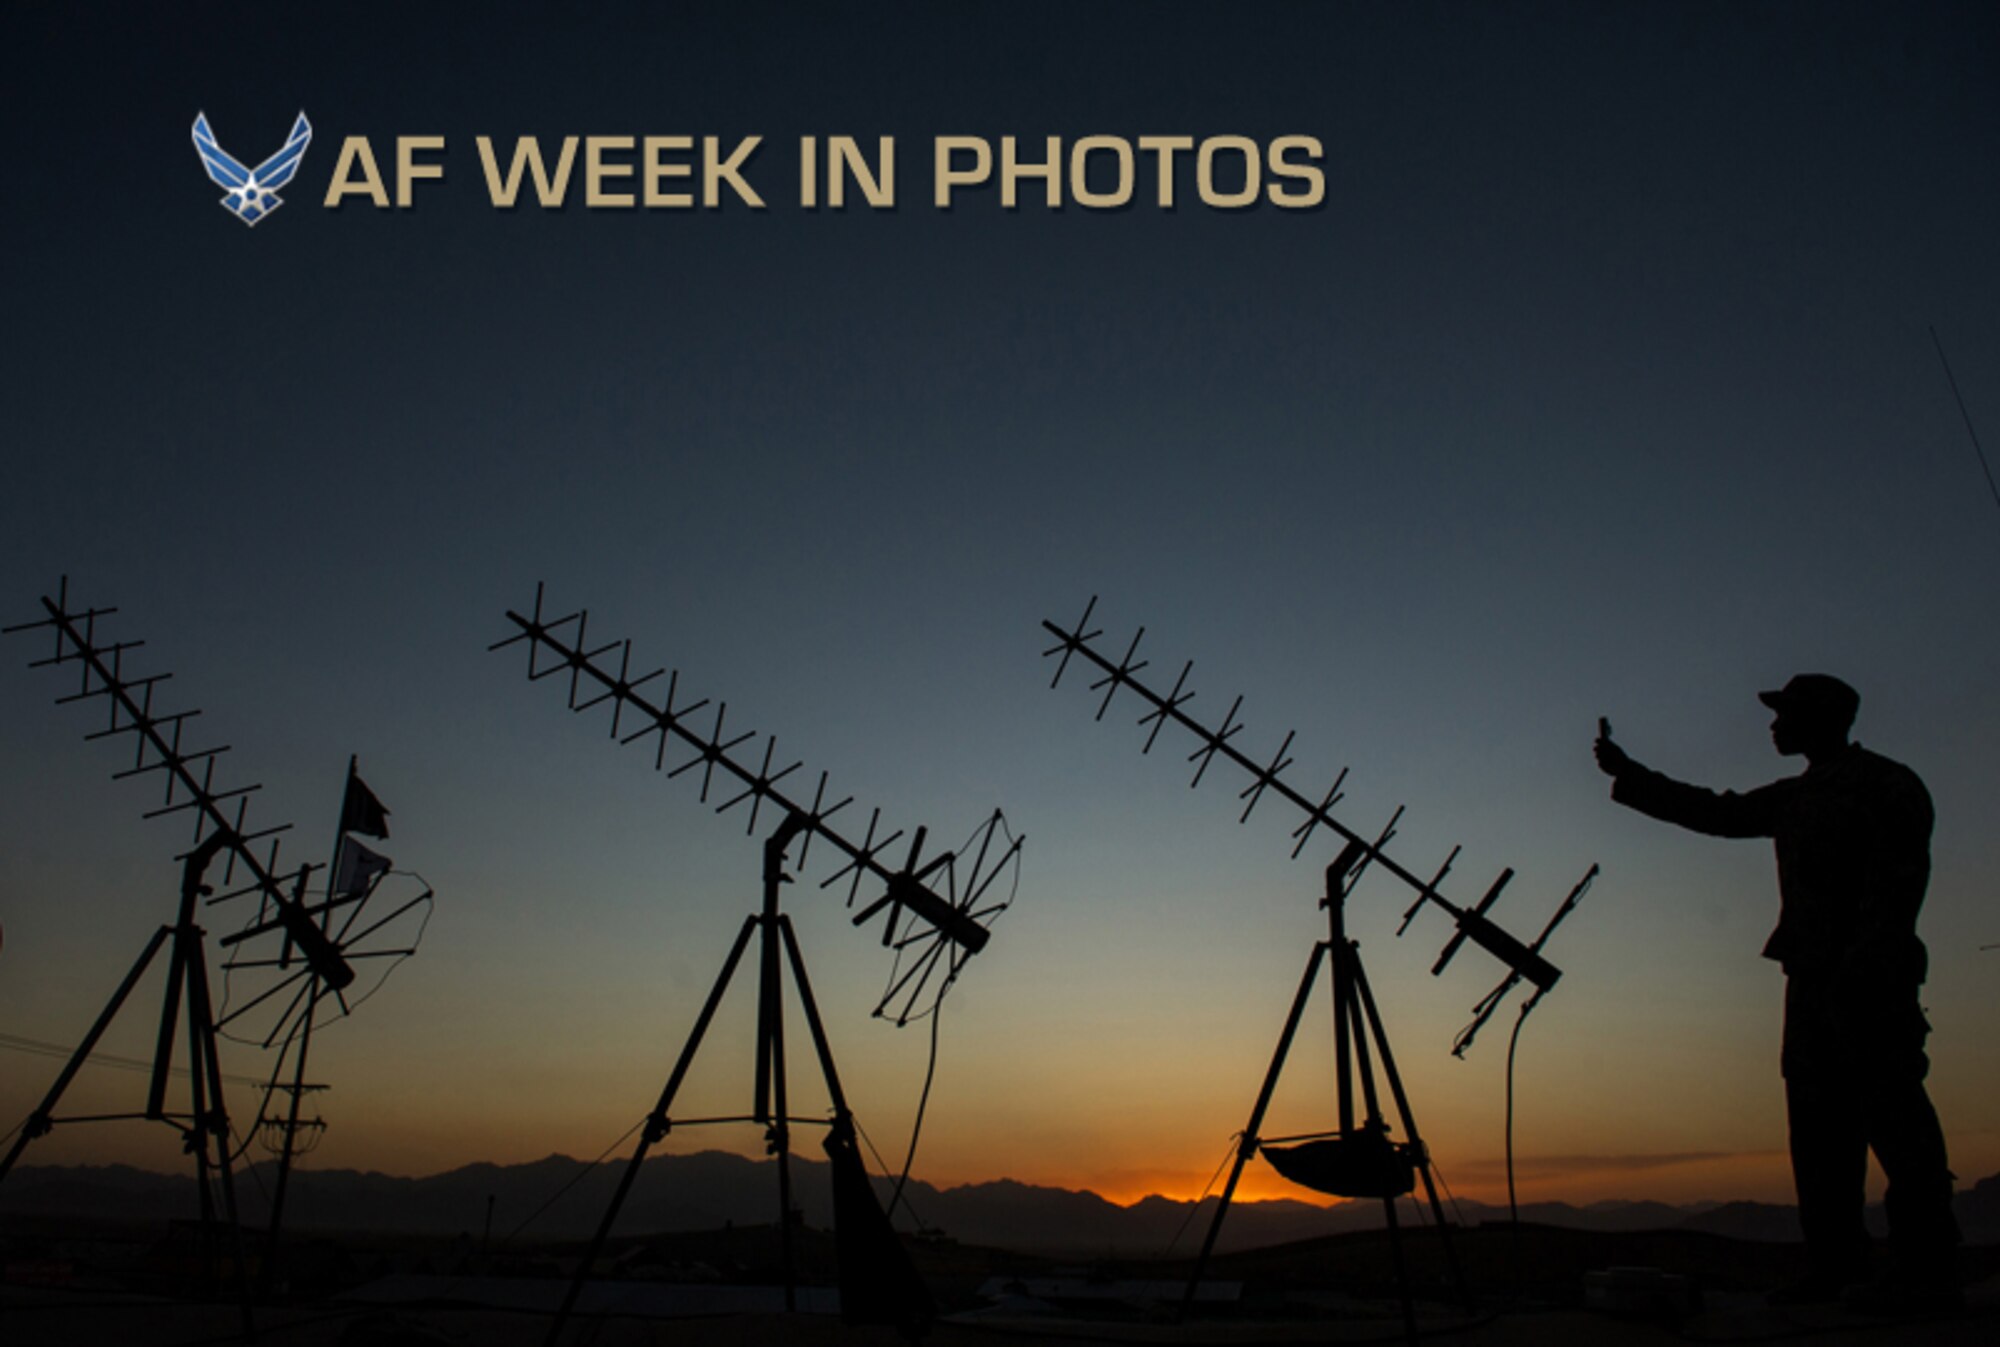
(771, 1106)
(273, 1236)
(290, 1147)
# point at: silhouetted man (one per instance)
(1853, 839)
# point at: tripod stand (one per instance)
(877, 1282)
(207, 1121)
(1352, 1161)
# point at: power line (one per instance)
(36, 1047)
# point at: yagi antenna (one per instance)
(317, 937)
(189, 774)
(311, 944)
(940, 931)
(936, 917)
(1523, 961)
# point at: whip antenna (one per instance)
(1977, 448)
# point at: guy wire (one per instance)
(38, 1048)
(1228, 1154)
(883, 1165)
(579, 1177)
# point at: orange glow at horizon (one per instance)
(1128, 1186)
(1754, 1176)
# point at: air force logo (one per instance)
(252, 191)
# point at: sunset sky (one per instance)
(1601, 383)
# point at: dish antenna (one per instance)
(1358, 1159)
(935, 914)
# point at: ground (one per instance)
(1531, 1284)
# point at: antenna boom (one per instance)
(1524, 961)
(905, 889)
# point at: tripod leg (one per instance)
(656, 1127)
(199, 1104)
(1416, 1142)
(39, 1121)
(163, 1054)
(783, 1142)
(1248, 1147)
(771, 1052)
(215, 1122)
(878, 1282)
(1348, 962)
(768, 1015)
(813, 1022)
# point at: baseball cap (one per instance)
(1821, 696)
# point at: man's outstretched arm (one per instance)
(1717, 813)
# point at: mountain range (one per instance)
(558, 1198)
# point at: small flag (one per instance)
(358, 869)
(363, 813)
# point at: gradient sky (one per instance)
(1601, 384)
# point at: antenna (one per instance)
(337, 943)
(1523, 961)
(1978, 449)
(189, 773)
(935, 916)
(925, 927)
(325, 947)
(190, 786)
(318, 955)
(1357, 1158)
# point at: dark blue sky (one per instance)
(1600, 384)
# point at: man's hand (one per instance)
(1611, 759)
